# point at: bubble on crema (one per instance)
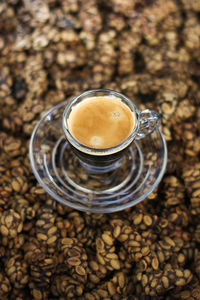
(116, 114)
(96, 141)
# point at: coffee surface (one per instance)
(101, 122)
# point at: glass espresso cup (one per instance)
(95, 160)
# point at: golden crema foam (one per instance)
(101, 122)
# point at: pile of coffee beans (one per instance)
(50, 51)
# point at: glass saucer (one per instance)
(65, 179)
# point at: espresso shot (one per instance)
(101, 122)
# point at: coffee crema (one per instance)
(101, 122)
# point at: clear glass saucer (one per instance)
(62, 175)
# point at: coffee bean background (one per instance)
(51, 50)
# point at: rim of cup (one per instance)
(96, 151)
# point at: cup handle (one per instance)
(149, 121)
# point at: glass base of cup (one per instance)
(95, 170)
(68, 181)
(97, 180)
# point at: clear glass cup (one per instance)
(108, 159)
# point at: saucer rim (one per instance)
(87, 208)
